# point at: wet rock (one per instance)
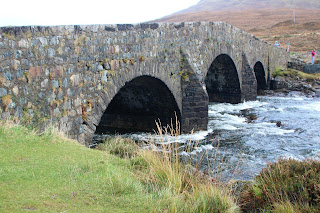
(278, 123)
(251, 117)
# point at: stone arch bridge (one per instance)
(92, 78)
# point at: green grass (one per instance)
(292, 73)
(49, 173)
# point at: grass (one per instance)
(179, 187)
(292, 73)
(49, 173)
(122, 147)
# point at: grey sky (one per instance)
(65, 12)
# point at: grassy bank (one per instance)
(49, 173)
(294, 74)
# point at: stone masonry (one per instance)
(67, 76)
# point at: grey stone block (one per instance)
(311, 68)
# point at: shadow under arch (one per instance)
(260, 76)
(137, 105)
(222, 81)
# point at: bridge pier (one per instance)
(195, 101)
(249, 82)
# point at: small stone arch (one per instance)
(138, 105)
(259, 72)
(222, 81)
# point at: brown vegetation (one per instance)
(268, 24)
(287, 184)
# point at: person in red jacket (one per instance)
(313, 53)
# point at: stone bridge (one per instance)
(85, 79)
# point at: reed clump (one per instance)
(122, 147)
(178, 186)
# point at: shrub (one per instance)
(283, 182)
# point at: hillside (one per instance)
(269, 20)
(229, 5)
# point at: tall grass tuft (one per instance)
(122, 147)
(182, 188)
(285, 182)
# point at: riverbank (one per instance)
(289, 80)
(49, 173)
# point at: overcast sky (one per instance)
(77, 12)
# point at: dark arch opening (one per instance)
(222, 81)
(260, 76)
(137, 106)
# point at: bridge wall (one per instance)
(67, 75)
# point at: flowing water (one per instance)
(242, 138)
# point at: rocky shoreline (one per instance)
(286, 85)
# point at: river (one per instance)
(242, 138)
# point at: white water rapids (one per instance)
(242, 138)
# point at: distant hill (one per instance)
(229, 5)
(289, 21)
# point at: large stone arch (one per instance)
(222, 80)
(138, 105)
(97, 106)
(260, 75)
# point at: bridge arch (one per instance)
(222, 80)
(260, 75)
(138, 104)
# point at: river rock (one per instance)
(311, 68)
(279, 82)
(251, 117)
(278, 123)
